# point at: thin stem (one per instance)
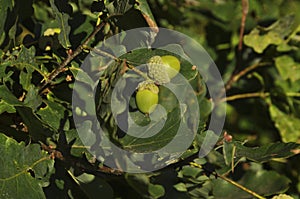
(101, 52)
(290, 94)
(138, 71)
(240, 186)
(244, 96)
(245, 7)
(237, 76)
(258, 94)
(231, 182)
(102, 171)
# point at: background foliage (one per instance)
(43, 43)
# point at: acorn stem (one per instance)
(144, 75)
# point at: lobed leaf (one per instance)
(65, 29)
(22, 167)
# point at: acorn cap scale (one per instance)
(157, 71)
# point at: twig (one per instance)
(240, 186)
(258, 94)
(71, 56)
(77, 162)
(138, 71)
(237, 76)
(101, 52)
(245, 7)
(231, 182)
(244, 96)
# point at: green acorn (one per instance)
(157, 71)
(147, 97)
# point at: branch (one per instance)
(258, 94)
(245, 6)
(79, 163)
(244, 96)
(71, 56)
(237, 76)
(142, 74)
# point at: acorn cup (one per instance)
(157, 71)
(163, 68)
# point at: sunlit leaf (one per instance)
(260, 38)
(288, 68)
(62, 19)
(22, 167)
(5, 107)
(260, 42)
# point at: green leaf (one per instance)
(180, 187)
(24, 60)
(188, 171)
(94, 186)
(22, 167)
(266, 152)
(8, 97)
(5, 107)
(26, 57)
(62, 20)
(40, 11)
(226, 11)
(5, 5)
(77, 148)
(282, 196)
(260, 42)
(141, 183)
(32, 98)
(260, 38)
(283, 27)
(288, 68)
(157, 141)
(288, 125)
(119, 7)
(12, 32)
(85, 27)
(156, 191)
(38, 130)
(53, 114)
(262, 182)
(228, 151)
(204, 140)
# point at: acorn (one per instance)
(147, 97)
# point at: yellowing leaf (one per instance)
(52, 31)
